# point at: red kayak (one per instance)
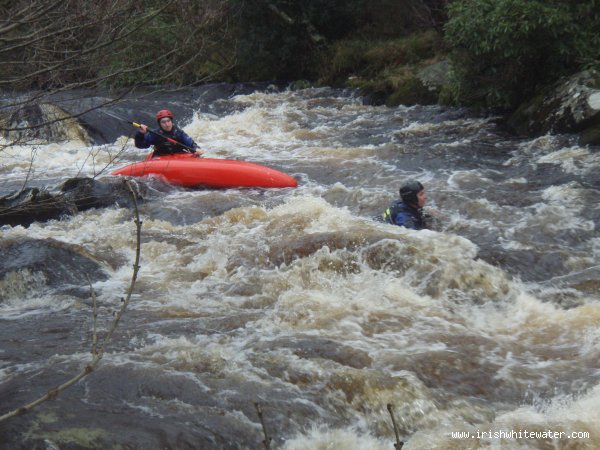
(188, 170)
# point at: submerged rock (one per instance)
(34, 264)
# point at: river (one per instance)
(302, 301)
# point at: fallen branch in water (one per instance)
(267, 441)
(97, 354)
(399, 444)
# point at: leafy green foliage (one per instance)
(503, 50)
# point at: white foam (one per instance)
(577, 160)
(348, 439)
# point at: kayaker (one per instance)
(408, 211)
(144, 139)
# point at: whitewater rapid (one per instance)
(303, 301)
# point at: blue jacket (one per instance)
(161, 145)
(401, 214)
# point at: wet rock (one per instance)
(42, 122)
(435, 76)
(91, 106)
(49, 117)
(87, 193)
(571, 106)
(46, 263)
(32, 205)
(76, 194)
(412, 91)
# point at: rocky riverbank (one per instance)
(570, 106)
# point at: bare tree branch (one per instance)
(80, 53)
(97, 355)
(58, 52)
(33, 15)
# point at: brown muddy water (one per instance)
(302, 301)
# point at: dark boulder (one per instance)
(76, 194)
(87, 193)
(45, 122)
(34, 264)
(32, 205)
(91, 106)
(570, 106)
(101, 116)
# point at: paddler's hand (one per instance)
(143, 128)
(198, 152)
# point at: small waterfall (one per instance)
(42, 123)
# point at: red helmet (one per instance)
(164, 113)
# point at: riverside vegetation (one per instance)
(495, 53)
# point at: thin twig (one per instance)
(52, 393)
(398, 445)
(29, 170)
(267, 441)
(94, 318)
